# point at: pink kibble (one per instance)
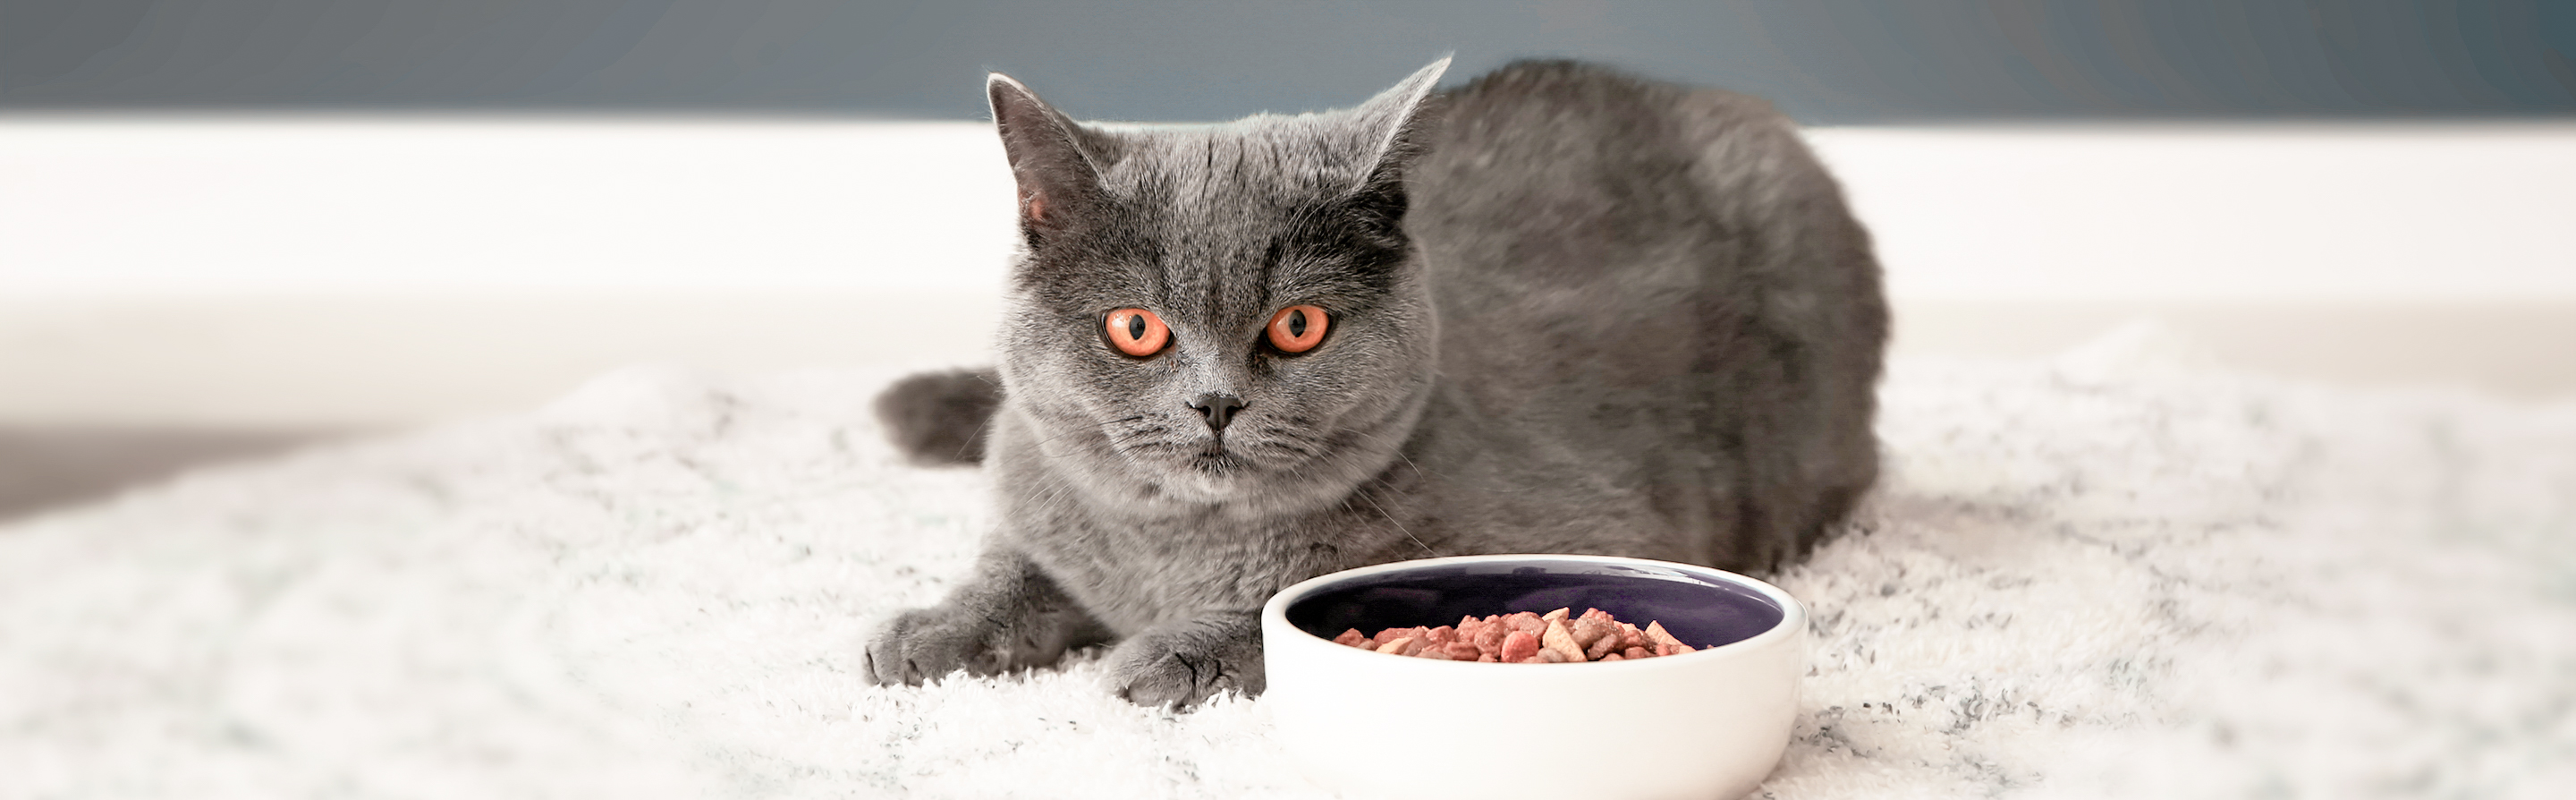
(1655, 633)
(1601, 647)
(1589, 630)
(1629, 636)
(1522, 637)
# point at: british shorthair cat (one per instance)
(1556, 310)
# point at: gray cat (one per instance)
(1558, 310)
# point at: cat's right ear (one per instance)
(1050, 156)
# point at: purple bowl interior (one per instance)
(1701, 611)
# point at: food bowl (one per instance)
(1705, 725)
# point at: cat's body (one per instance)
(1570, 312)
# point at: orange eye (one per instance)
(1296, 329)
(1137, 332)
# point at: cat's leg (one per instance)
(1009, 615)
(1184, 662)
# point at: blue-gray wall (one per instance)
(1825, 61)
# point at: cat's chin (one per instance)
(1212, 476)
(1219, 463)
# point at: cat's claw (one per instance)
(1183, 665)
(923, 644)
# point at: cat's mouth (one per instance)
(1214, 459)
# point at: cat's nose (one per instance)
(1218, 408)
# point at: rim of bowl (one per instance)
(1793, 614)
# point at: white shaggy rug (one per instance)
(2085, 578)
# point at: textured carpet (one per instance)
(2100, 576)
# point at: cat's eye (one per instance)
(1297, 329)
(1137, 332)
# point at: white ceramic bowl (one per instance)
(1705, 725)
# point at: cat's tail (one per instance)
(938, 418)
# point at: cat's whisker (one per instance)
(1399, 524)
(1040, 445)
(973, 436)
(1117, 437)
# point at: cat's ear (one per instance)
(1053, 158)
(1389, 128)
(1391, 123)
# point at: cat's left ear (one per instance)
(1054, 158)
(1392, 123)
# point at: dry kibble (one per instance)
(1561, 642)
(1656, 634)
(1601, 646)
(1590, 629)
(1557, 637)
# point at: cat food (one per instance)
(1555, 637)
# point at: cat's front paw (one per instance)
(926, 643)
(1183, 664)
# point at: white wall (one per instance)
(302, 272)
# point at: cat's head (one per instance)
(1222, 313)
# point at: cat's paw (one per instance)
(926, 643)
(1183, 664)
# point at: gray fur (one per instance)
(937, 418)
(1572, 312)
